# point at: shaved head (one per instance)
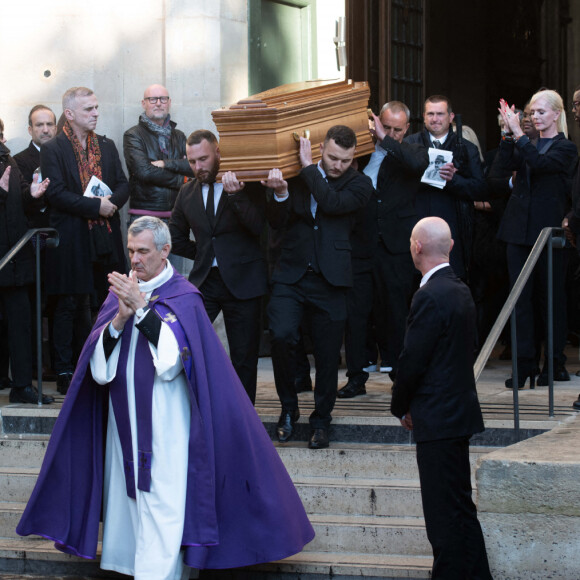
(431, 243)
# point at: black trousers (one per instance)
(16, 312)
(395, 281)
(71, 328)
(242, 320)
(359, 304)
(327, 307)
(450, 514)
(531, 314)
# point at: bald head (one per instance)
(431, 243)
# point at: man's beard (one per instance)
(203, 176)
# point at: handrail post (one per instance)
(550, 329)
(38, 323)
(516, 394)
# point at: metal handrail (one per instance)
(553, 238)
(52, 240)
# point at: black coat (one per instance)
(234, 239)
(28, 161)
(454, 203)
(13, 224)
(324, 239)
(541, 194)
(154, 188)
(397, 184)
(435, 379)
(69, 266)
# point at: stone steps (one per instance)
(363, 500)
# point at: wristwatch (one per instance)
(140, 312)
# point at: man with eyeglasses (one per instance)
(155, 156)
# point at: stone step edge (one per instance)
(316, 519)
(327, 563)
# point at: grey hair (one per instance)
(396, 107)
(70, 97)
(161, 235)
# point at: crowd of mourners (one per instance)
(335, 264)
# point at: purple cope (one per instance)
(241, 506)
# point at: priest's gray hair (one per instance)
(161, 235)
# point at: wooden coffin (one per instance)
(262, 132)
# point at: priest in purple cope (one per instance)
(157, 432)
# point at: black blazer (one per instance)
(234, 240)
(397, 184)
(324, 240)
(435, 379)
(28, 161)
(541, 194)
(454, 203)
(69, 266)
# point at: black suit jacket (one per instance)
(324, 240)
(234, 240)
(435, 379)
(397, 184)
(69, 266)
(28, 161)
(541, 194)
(454, 203)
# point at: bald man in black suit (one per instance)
(434, 395)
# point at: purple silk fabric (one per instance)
(241, 506)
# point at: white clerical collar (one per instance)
(440, 139)
(159, 280)
(432, 271)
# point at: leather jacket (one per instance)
(154, 188)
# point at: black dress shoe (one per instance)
(303, 385)
(352, 389)
(28, 395)
(285, 426)
(576, 404)
(318, 439)
(63, 382)
(560, 374)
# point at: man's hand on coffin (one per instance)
(276, 182)
(126, 288)
(231, 183)
(379, 130)
(305, 152)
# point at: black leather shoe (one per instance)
(285, 426)
(303, 385)
(63, 382)
(28, 395)
(352, 389)
(318, 439)
(560, 374)
(576, 404)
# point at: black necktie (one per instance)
(210, 206)
(437, 144)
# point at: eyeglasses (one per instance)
(153, 100)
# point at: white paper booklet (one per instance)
(97, 188)
(437, 158)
